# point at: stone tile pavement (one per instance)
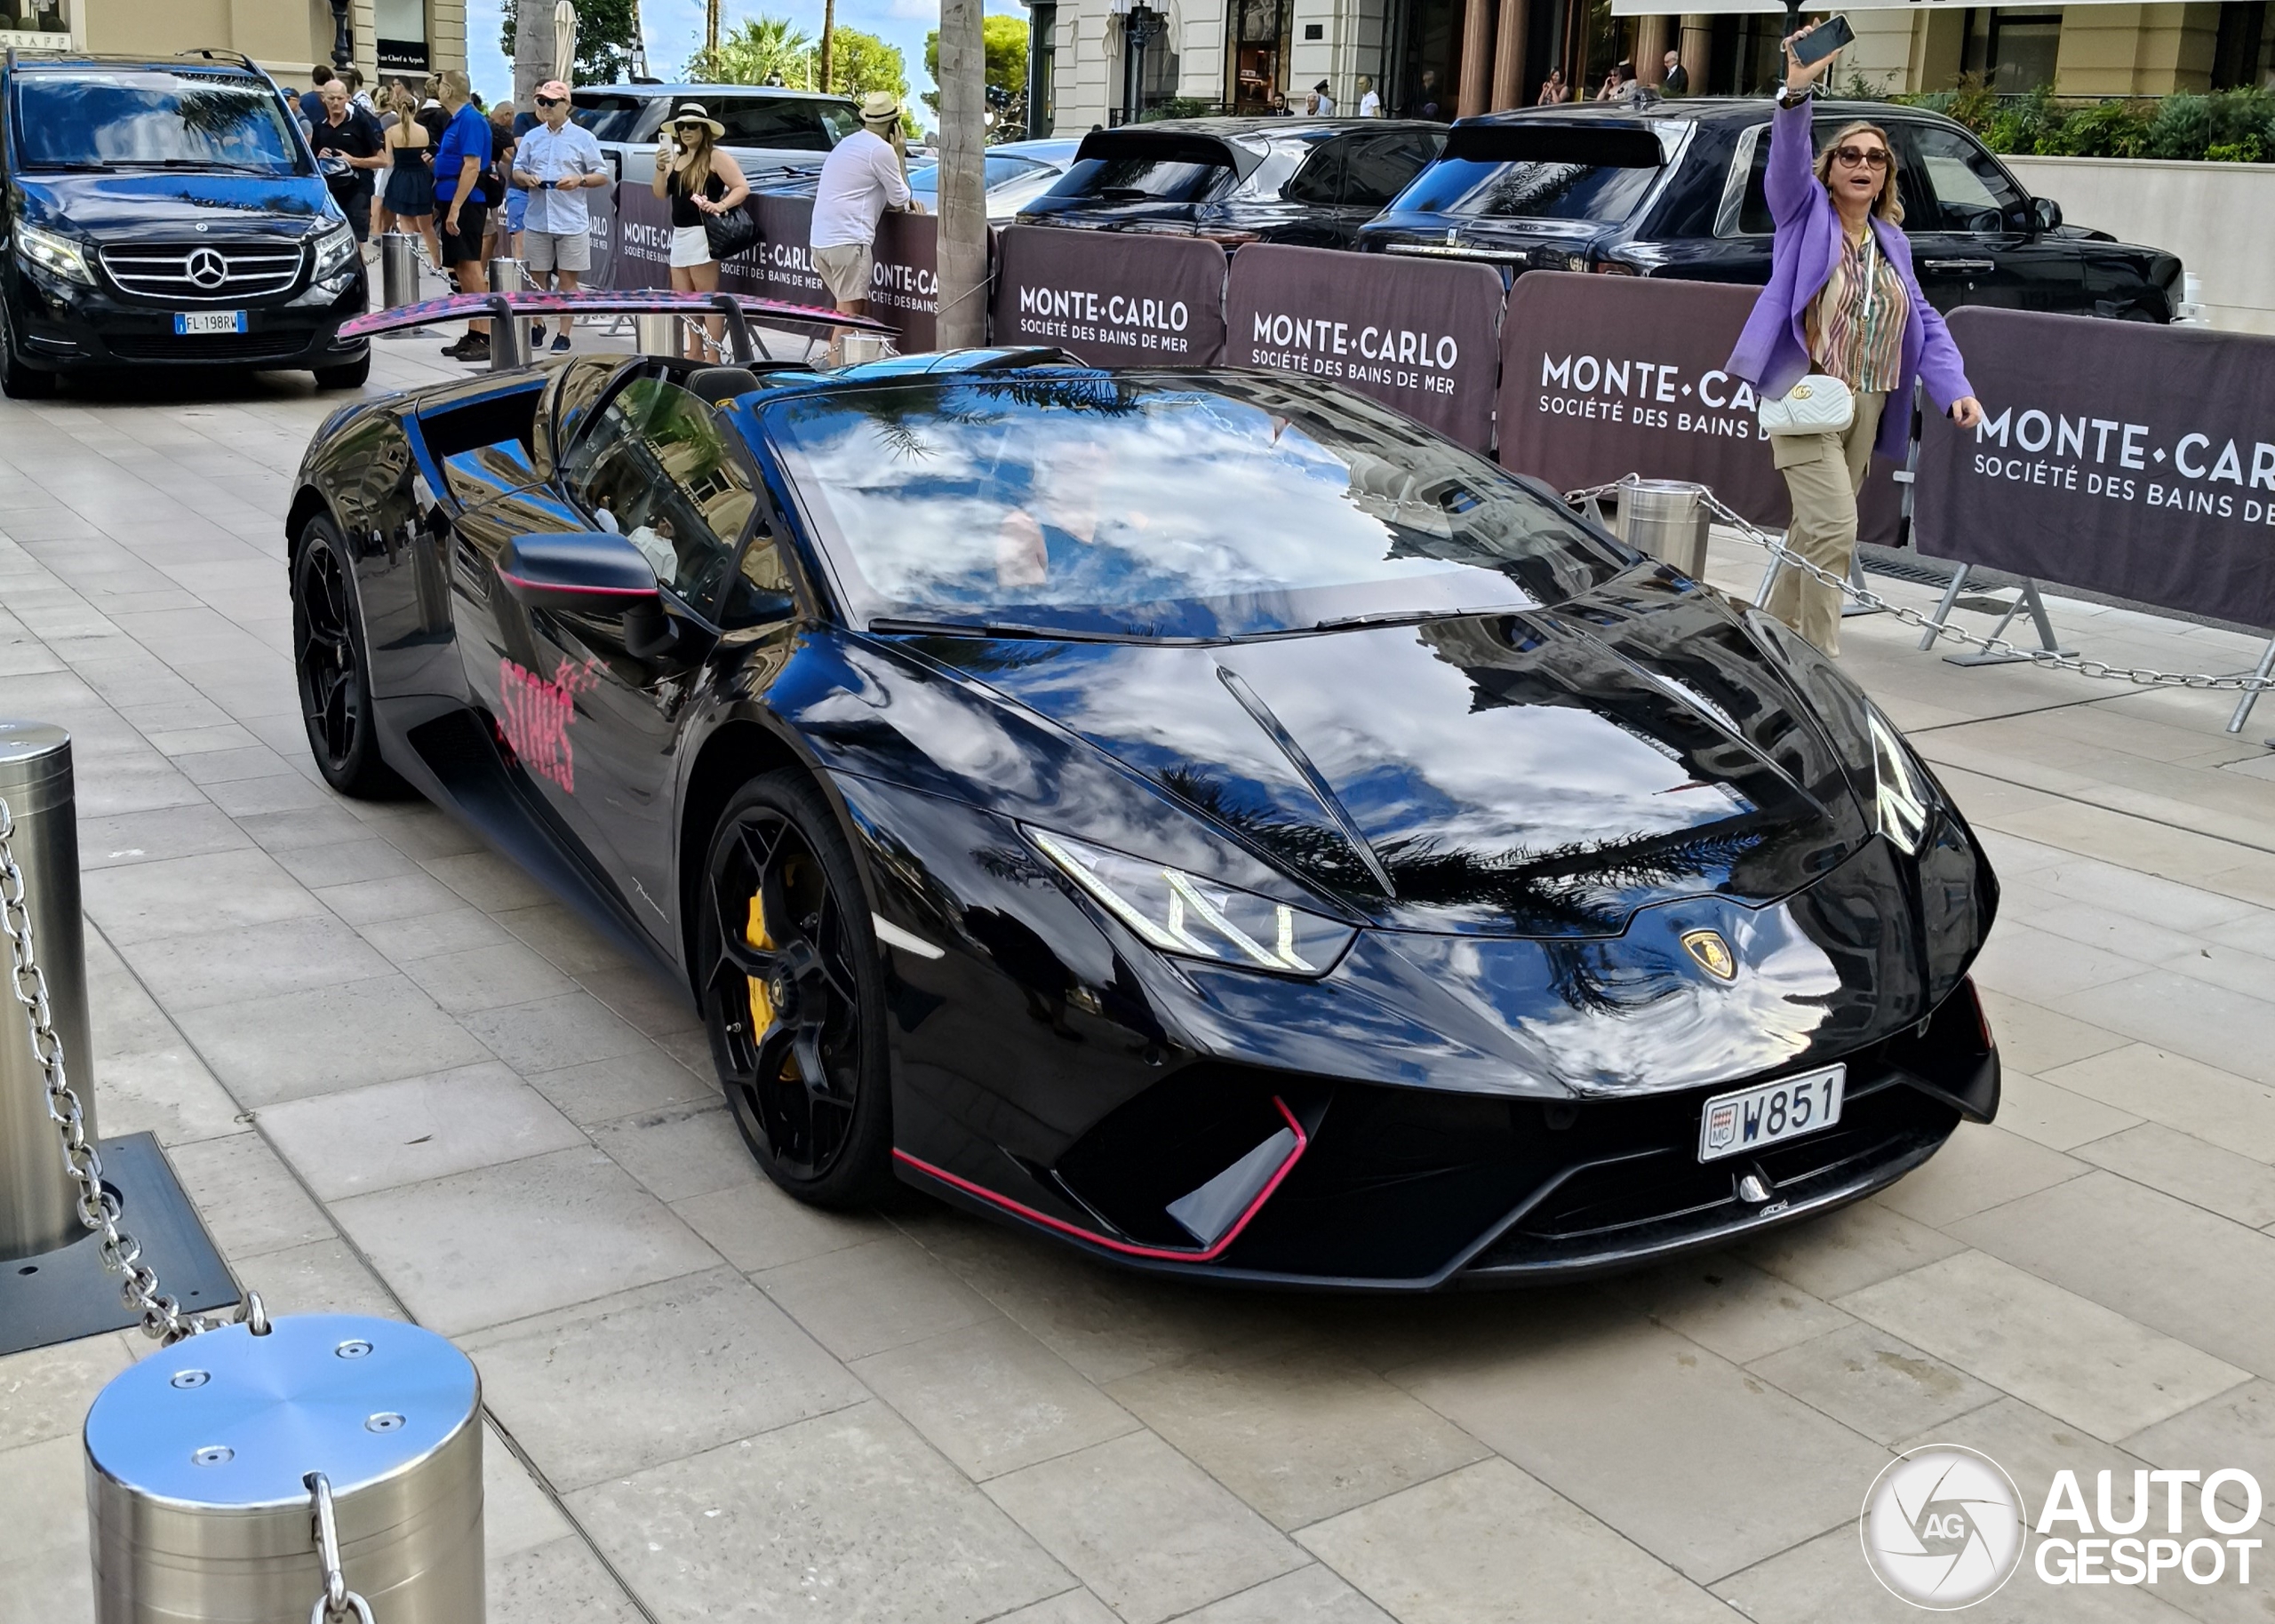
(398, 1078)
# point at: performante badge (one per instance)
(1712, 953)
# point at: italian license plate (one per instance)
(189, 321)
(1752, 1118)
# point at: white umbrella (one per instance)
(565, 42)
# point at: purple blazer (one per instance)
(1773, 351)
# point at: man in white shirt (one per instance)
(558, 162)
(862, 178)
(1371, 105)
(1322, 104)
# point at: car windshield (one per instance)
(1528, 191)
(152, 118)
(1170, 506)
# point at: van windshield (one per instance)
(147, 118)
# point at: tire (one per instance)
(332, 670)
(348, 375)
(18, 381)
(806, 998)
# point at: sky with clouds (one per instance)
(674, 30)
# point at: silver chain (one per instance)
(122, 1254)
(2139, 676)
(336, 1604)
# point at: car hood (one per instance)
(1543, 774)
(152, 203)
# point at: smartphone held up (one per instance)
(1815, 45)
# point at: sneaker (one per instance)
(476, 352)
(561, 343)
(537, 338)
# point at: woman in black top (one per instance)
(701, 181)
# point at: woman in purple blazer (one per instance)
(1841, 300)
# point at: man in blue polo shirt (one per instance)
(460, 156)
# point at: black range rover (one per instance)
(1674, 188)
(166, 212)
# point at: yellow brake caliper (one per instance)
(762, 1008)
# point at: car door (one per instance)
(1974, 241)
(659, 465)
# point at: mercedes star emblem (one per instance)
(207, 268)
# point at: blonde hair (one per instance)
(451, 84)
(1887, 205)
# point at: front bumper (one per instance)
(1412, 1190)
(63, 329)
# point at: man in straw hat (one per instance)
(862, 178)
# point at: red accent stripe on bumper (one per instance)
(1129, 1248)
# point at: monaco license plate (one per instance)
(189, 322)
(1786, 1109)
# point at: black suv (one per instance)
(1674, 188)
(166, 212)
(1310, 181)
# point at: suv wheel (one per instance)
(348, 375)
(18, 381)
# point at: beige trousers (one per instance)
(1822, 474)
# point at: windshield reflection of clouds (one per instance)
(150, 117)
(1193, 509)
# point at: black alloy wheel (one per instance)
(18, 381)
(793, 993)
(328, 658)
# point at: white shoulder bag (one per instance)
(1821, 404)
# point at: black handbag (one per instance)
(732, 233)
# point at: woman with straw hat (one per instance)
(700, 181)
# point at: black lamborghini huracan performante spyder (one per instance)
(1201, 816)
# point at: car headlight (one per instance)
(335, 250)
(1181, 913)
(56, 255)
(1902, 796)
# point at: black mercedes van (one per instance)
(166, 212)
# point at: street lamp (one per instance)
(343, 45)
(1139, 28)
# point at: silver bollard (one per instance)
(398, 270)
(1667, 519)
(656, 333)
(507, 276)
(203, 1469)
(860, 348)
(38, 1201)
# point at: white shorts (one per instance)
(557, 251)
(691, 245)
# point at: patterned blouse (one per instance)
(1855, 323)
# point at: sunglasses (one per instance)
(548, 101)
(1858, 157)
(690, 124)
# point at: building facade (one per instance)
(1104, 62)
(397, 38)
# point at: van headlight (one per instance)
(1902, 796)
(58, 255)
(335, 250)
(1174, 912)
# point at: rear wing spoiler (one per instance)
(507, 312)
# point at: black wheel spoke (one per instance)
(794, 1086)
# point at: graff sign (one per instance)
(1419, 334)
(534, 715)
(2126, 458)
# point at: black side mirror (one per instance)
(591, 572)
(2045, 214)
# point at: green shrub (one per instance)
(2105, 129)
(2234, 126)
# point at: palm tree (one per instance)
(828, 32)
(754, 50)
